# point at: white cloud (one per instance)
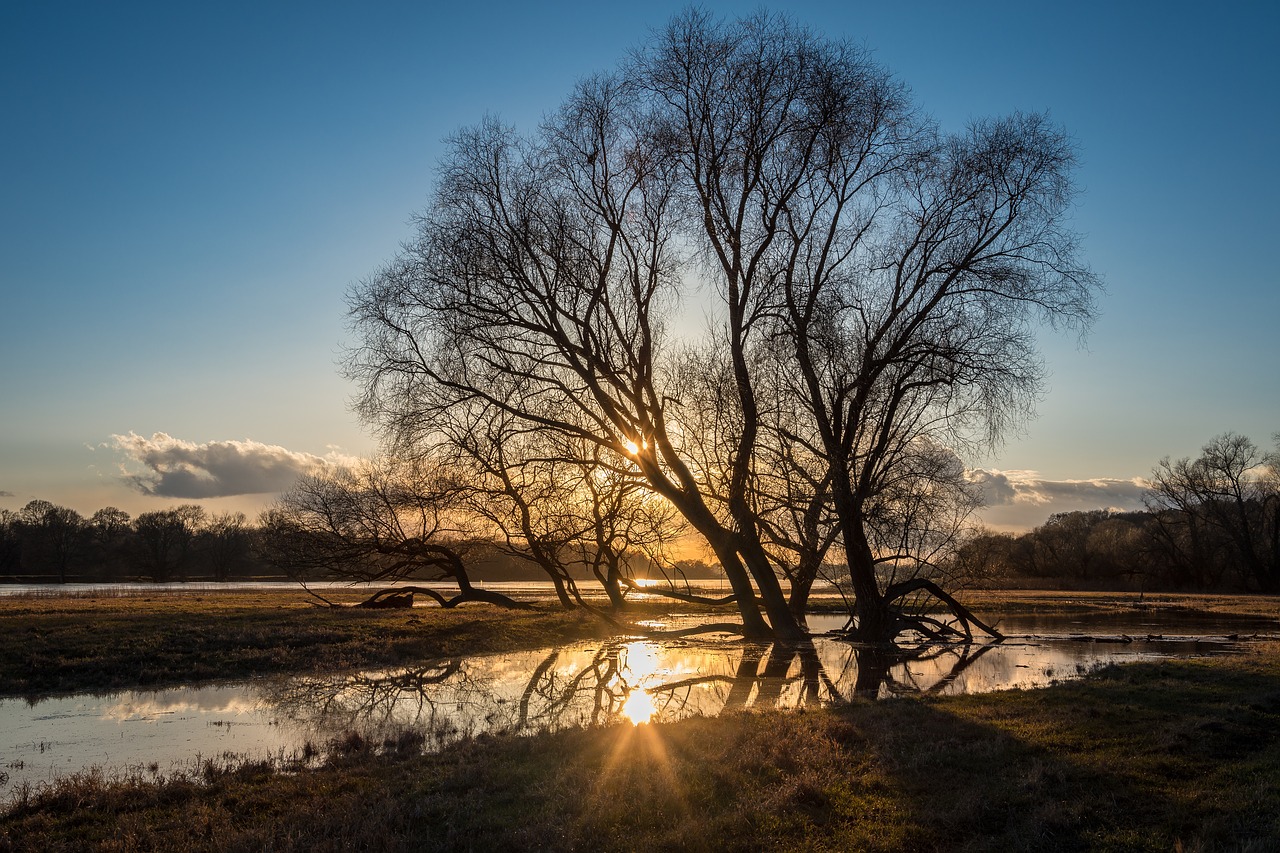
(1019, 500)
(175, 468)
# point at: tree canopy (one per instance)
(873, 286)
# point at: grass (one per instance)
(1176, 755)
(1010, 602)
(1149, 757)
(105, 642)
(97, 642)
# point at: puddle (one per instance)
(151, 733)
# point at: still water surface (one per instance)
(628, 680)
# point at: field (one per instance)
(1155, 756)
(100, 642)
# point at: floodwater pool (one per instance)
(629, 680)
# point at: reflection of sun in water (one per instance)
(641, 660)
(641, 664)
(639, 707)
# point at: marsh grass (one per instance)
(107, 642)
(141, 638)
(1018, 602)
(1147, 757)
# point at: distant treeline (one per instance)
(1212, 525)
(47, 543)
(50, 543)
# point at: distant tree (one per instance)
(109, 523)
(10, 542)
(224, 543)
(110, 532)
(54, 537)
(163, 540)
(1120, 547)
(1222, 509)
(984, 558)
(1061, 545)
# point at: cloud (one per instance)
(174, 468)
(1024, 499)
(4, 494)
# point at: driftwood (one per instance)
(386, 600)
(402, 597)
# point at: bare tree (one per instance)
(903, 269)
(110, 532)
(879, 285)
(537, 288)
(109, 523)
(523, 489)
(225, 542)
(10, 542)
(627, 523)
(163, 540)
(570, 507)
(1228, 496)
(54, 536)
(384, 520)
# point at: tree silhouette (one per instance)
(877, 285)
(384, 520)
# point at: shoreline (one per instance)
(80, 642)
(1140, 756)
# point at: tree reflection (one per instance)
(442, 701)
(633, 680)
(880, 670)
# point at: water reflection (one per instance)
(435, 703)
(648, 681)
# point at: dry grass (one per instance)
(62, 643)
(1014, 601)
(100, 642)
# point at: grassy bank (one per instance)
(86, 642)
(1015, 601)
(62, 643)
(1162, 756)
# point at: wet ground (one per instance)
(629, 680)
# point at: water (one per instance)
(158, 732)
(530, 590)
(533, 589)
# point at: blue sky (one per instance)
(189, 190)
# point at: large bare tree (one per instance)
(875, 288)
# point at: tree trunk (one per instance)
(784, 622)
(875, 623)
(802, 586)
(753, 624)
